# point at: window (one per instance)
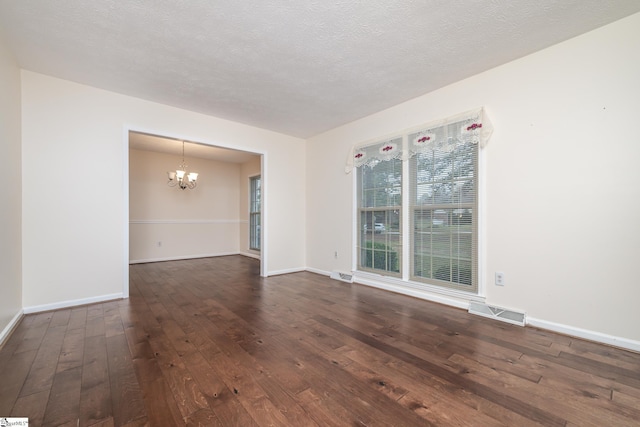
(438, 164)
(254, 213)
(380, 206)
(444, 223)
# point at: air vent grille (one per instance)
(498, 313)
(345, 277)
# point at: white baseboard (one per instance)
(71, 303)
(250, 255)
(181, 257)
(318, 271)
(6, 332)
(599, 337)
(286, 271)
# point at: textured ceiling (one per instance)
(296, 67)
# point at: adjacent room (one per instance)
(215, 220)
(320, 213)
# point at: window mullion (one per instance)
(407, 238)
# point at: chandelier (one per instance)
(180, 177)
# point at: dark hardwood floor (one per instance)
(209, 342)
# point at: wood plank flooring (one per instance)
(208, 342)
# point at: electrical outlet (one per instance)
(500, 279)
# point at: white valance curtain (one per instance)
(444, 135)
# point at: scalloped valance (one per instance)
(443, 135)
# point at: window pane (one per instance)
(444, 188)
(463, 161)
(381, 185)
(254, 212)
(380, 235)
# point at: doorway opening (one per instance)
(172, 222)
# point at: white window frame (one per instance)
(475, 226)
(405, 283)
(255, 215)
(380, 236)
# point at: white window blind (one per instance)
(379, 214)
(444, 211)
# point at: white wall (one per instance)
(171, 223)
(75, 213)
(562, 194)
(247, 170)
(10, 192)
